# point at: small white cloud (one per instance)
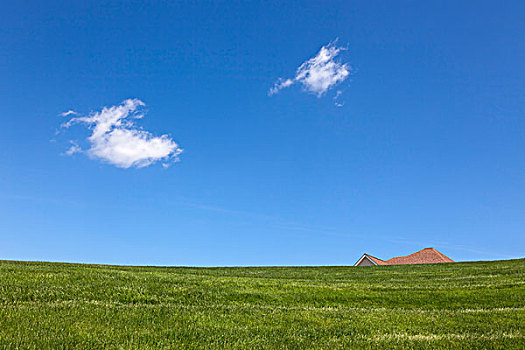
(116, 139)
(75, 148)
(319, 73)
(280, 84)
(336, 99)
(68, 113)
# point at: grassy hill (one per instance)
(462, 305)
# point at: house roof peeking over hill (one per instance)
(424, 256)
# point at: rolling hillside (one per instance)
(73, 306)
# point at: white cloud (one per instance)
(336, 99)
(319, 73)
(65, 114)
(280, 84)
(75, 148)
(117, 140)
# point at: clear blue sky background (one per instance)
(428, 149)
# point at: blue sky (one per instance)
(421, 144)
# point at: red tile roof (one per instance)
(424, 256)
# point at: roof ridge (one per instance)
(406, 256)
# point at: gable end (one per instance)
(365, 261)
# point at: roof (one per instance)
(424, 256)
(376, 260)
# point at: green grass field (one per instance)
(65, 306)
